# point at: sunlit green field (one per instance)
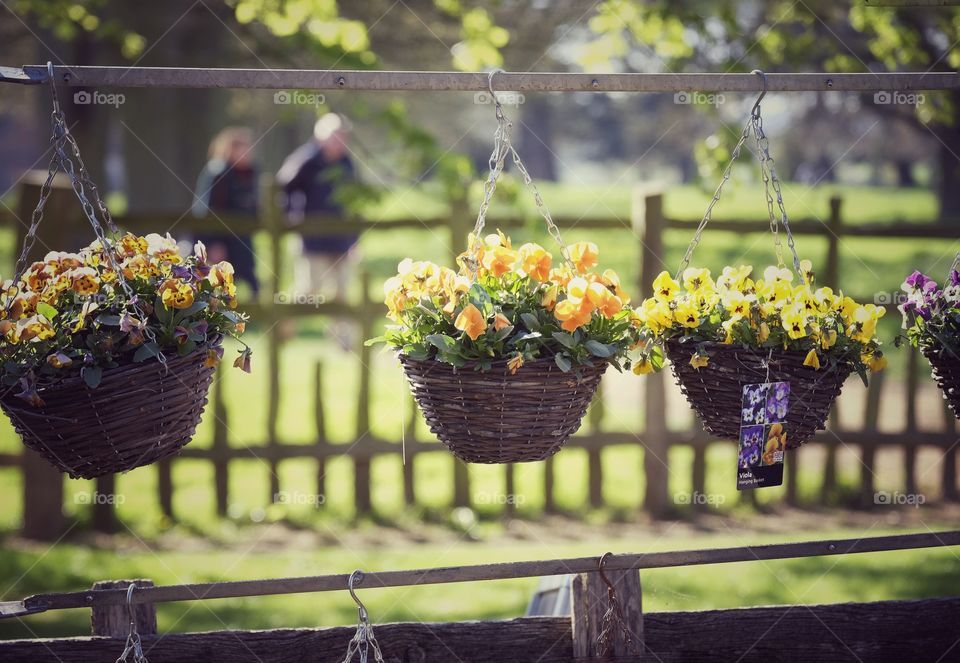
(868, 267)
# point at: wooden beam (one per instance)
(326, 79)
(528, 569)
(920, 631)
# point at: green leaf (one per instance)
(562, 362)
(193, 309)
(442, 342)
(480, 298)
(92, 375)
(503, 333)
(108, 320)
(530, 321)
(146, 351)
(374, 341)
(598, 349)
(564, 339)
(46, 311)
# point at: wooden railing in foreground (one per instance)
(895, 631)
(646, 229)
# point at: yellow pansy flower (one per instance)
(176, 294)
(665, 287)
(699, 360)
(642, 365)
(736, 303)
(812, 360)
(535, 261)
(583, 255)
(471, 322)
(875, 360)
(696, 278)
(687, 314)
(794, 320)
(573, 314)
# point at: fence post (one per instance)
(320, 425)
(43, 517)
(270, 214)
(361, 461)
(648, 226)
(910, 450)
(409, 458)
(113, 621)
(594, 455)
(831, 278)
(871, 416)
(459, 229)
(590, 600)
(104, 515)
(221, 445)
(949, 471)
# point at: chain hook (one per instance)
(603, 573)
(130, 609)
(357, 577)
(755, 111)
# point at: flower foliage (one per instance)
(69, 313)
(931, 315)
(520, 307)
(772, 312)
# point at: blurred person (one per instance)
(311, 178)
(228, 183)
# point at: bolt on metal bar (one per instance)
(319, 79)
(480, 572)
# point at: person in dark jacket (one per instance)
(228, 183)
(311, 178)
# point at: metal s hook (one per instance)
(756, 105)
(493, 93)
(130, 610)
(603, 573)
(357, 577)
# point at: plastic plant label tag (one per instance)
(763, 435)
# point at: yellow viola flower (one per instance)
(697, 278)
(611, 279)
(35, 327)
(699, 360)
(500, 321)
(763, 333)
(642, 365)
(727, 326)
(561, 276)
(59, 360)
(806, 271)
(577, 289)
(549, 299)
(665, 287)
(736, 278)
(847, 306)
(583, 255)
(573, 314)
(875, 360)
(514, 363)
(825, 299)
(774, 275)
(131, 245)
(176, 294)
(864, 325)
(535, 261)
(736, 303)
(84, 280)
(775, 293)
(812, 360)
(499, 260)
(687, 314)
(828, 338)
(610, 306)
(471, 322)
(656, 315)
(794, 320)
(705, 299)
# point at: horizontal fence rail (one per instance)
(319, 79)
(480, 572)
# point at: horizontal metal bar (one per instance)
(319, 79)
(624, 562)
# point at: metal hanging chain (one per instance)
(133, 646)
(685, 262)
(754, 124)
(363, 641)
(613, 620)
(770, 180)
(502, 147)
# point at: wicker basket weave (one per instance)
(138, 414)
(945, 367)
(495, 417)
(715, 391)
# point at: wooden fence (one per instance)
(647, 227)
(917, 630)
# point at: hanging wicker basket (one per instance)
(945, 368)
(715, 391)
(498, 417)
(140, 413)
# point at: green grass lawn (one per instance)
(868, 266)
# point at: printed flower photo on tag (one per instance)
(763, 434)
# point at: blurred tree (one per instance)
(815, 34)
